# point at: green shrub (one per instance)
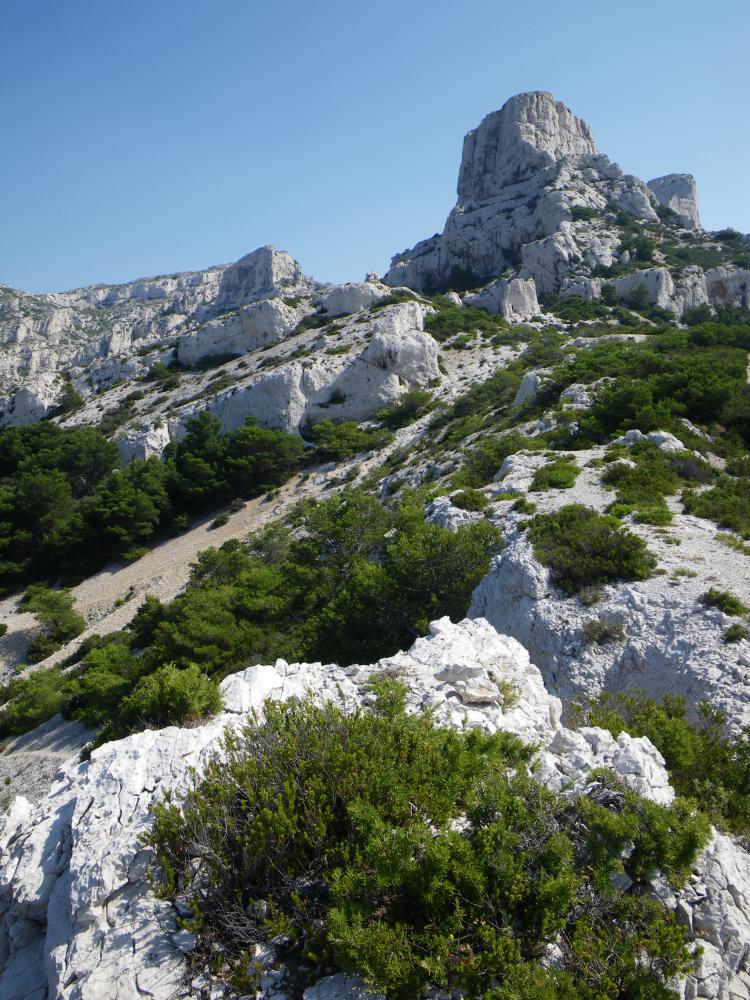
(219, 522)
(734, 633)
(561, 474)
(469, 500)
(3, 629)
(704, 763)
(337, 835)
(482, 462)
(727, 504)
(409, 407)
(171, 696)
(601, 632)
(55, 612)
(580, 213)
(341, 441)
(583, 548)
(35, 699)
(724, 601)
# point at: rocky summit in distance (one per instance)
(537, 200)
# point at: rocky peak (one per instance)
(528, 134)
(678, 192)
(263, 272)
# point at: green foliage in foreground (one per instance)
(704, 763)
(583, 548)
(727, 504)
(338, 834)
(360, 582)
(724, 601)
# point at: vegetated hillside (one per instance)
(549, 429)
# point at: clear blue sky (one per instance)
(149, 136)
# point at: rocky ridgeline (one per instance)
(534, 215)
(79, 918)
(531, 192)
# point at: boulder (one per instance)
(678, 192)
(339, 300)
(515, 299)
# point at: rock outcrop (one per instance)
(78, 918)
(523, 172)
(678, 192)
(671, 643)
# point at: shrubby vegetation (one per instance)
(66, 506)
(704, 763)
(699, 374)
(585, 549)
(345, 440)
(55, 612)
(642, 488)
(559, 474)
(724, 601)
(360, 582)
(422, 858)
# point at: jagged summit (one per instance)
(526, 172)
(529, 133)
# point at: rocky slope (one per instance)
(79, 919)
(540, 212)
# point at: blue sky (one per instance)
(149, 136)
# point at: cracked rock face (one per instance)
(678, 192)
(78, 920)
(522, 171)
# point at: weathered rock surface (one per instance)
(672, 643)
(522, 171)
(677, 191)
(514, 300)
(78, 920)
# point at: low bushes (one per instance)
(724, 601)
(469, 500)
(704, 763)
(560, 474)
(55, 612)
(345, 440)
(727, 504)
(422, 858)
(583, 548)
(359, 581)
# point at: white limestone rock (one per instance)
(260, 274)
(247, 329)
(78, 920)
(146, 442)
(515, 300)
(728, 286)
(32, 402)
(339, 300)
(673, 643)
(678, 192)
(683, 290)
(529, 388)
(517, 471)
(522, 171)
(443, 512)
(528, 134)
(663, 440)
